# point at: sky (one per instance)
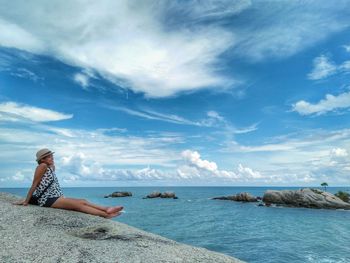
(176, 93)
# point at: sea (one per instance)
(243, 230)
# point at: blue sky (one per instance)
(126, 93)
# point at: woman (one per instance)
(46, 191)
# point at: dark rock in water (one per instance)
(154, 195)
(119, 194)
(309, 198)
(168, 195)
(241, 197)
(161, 195)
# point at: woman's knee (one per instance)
(80, 201)
(83, 201)
(66, 203)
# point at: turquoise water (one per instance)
(242, 230)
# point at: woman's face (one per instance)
(48, 160)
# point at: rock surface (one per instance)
(168, 195)
(154, 195)
(38, 234)
(119, 194)
(241, 197)
(309, 198)
(161, 195)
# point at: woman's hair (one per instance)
(41, 160)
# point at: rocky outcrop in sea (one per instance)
(241, 197)
(119, 194)
(309, 198)
(156, 194)
(38, 234)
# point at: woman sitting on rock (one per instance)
(46, 191)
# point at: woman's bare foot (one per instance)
(113, 215)
(114, 209)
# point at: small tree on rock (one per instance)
(324, 185)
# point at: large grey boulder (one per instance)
(309, 198)
(39, 234)
(168, 195)
(154, 194)
(241, 197)
(157, 194)
(119, 194)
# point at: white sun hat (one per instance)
(43, 153)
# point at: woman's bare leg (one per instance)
(78, 205)
(109, 210)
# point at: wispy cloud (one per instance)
(25, 73)
(13, 35)
(14, 111)
(323, 67)
(339, 152)
(212, 119)
(166, 48)
(307, 158)
(302, 158)
(309, 139)
(81, 79)
(347, 48)
(330, 103)
(75, 153)
(286, 28)
(193, 11)
(154, 115)
(129, 45)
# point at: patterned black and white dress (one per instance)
(48, 190)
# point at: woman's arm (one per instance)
(39, 172)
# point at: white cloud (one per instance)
(124, 41)
(19, 176)
(248, 129)
(296, 159)
(13, 35)
(154, 115)
(282, 29)
(313, 140)
(193, 158)
(197, 168)
(345, 66)
(330, 103)
(25, 73)
(172, 118)
(323, 67)
(79, 167)
(213, 119)
(15, 112)
(163, 48)
(81, 79)
(339, 152)
(303, 158)
(347, 48)
(78, 147)
(248, 172)
(209, 9)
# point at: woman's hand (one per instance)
(22, 202)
